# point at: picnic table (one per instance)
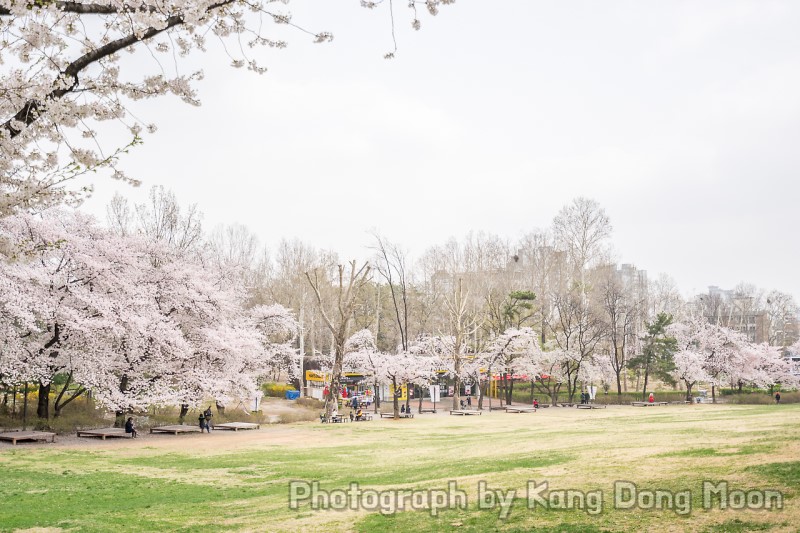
(515, 409)
(105, 433)
(181, 428)
(14, 436)
(464, 412)
(236, 426)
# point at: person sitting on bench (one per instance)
(130, 427)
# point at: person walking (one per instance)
(208, 414)
(778, 397)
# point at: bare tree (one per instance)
(581, 229)
(622, 316)
(347, 287)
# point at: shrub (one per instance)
(298, 415)
(276, 390)
(311, 403)
(762, 398)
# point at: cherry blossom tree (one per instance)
(689, 369)
(514, 352)
(66, 76)
(63, 279)
(405, 368)
(129, 317)
(551, 375)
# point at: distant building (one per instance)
(735, 311)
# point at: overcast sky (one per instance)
(681, 118)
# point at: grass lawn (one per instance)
(240, 481)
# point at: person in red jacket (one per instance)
(652, 398)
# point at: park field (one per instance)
(605, 469)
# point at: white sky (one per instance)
(681, 118)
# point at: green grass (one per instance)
(239, 482)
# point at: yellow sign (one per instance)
(316, 375)
(403, 392)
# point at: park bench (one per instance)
(399, 415)
(364, 418)
(337, 419)
(14, 436)
(497, 408)
(512, 409)
(567, 404)
(236, 426)
(681, 402)
(647, 404)
(176, 429)
(464, 412)
(590, 406)
(427, 410)
(105, 433)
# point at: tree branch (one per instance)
(30, 112)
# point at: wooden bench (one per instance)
(365, 417)
(427, 410)
(236, 426)
(464, 412)
(682, 402)
(176, 429)
(512, 409)
(399, 415)
(647, 404)
(14, 436)
(590, 406)
(105, 433)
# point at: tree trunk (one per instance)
(25, 408)
(59, 405)
(646, 377)
(43, 407)
(220, 408)
(713, 393)
(396, 398)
